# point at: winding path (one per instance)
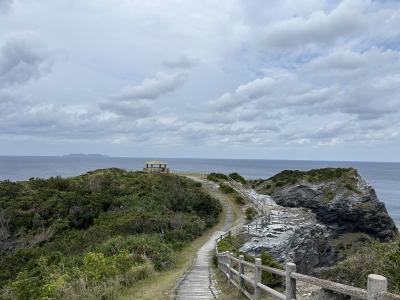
(196, 283)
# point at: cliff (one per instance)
(339, 197)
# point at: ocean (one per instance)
(384, 177)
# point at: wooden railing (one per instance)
(190, 172)
(234, 270)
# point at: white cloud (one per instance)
(283, 75)
(323, 27)
(21, 59)
(151, 88)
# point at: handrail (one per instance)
(271, 291)
(376, 290)
(273, 271)
(332, 286)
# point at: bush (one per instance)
(251, 213)
(376, 258)
(239, 199)
(217, 177)
(226, 188)
(89, 236)
(270, 279)
(238, 177)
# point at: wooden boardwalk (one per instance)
(197, 282)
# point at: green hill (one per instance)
(90, 235)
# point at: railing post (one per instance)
(290, 282)
(241, 270)
(230, 260)
(377, 284)
(257, 279)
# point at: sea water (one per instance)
(383, 176)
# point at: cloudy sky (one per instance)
(280, 79)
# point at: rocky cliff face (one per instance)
(344, 204)
(291, 234)
(307, 211)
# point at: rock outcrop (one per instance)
(344, 204)
(291, 234)
(307, 211)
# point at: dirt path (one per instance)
(196, 283)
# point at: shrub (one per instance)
(239, 199)
(238, 177)
(86, 237)
(226, 189)
(268, 278)
(251, 213)
(217, 177)
(377, 258)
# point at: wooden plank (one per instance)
(244, 292)
(390, 296)
(273, 271)
(332, 286)
(271, 291)
(246, 278)
(248, 264)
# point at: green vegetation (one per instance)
(232, 244)
(226, 189)
(90, 236)
(238, 177)
(239, 199)
(217, 177)
(373, 258)
(345, 177)
(251, 213)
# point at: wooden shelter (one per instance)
(156, 167)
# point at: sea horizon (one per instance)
(383, 176)
(88, 155)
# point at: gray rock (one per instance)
(346, 211)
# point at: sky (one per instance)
(277, 79)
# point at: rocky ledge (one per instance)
(339, 197)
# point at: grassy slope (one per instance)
(94, 235)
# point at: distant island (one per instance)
(85, 155)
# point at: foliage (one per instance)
(345, 177)
(239, 199)
(268, 278)
(92, 235)
(251, 213)
(217, 177)
(232, 244)
(236, 176)
(375, 258)
(226, 188)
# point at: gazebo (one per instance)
(156, 167)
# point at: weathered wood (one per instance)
(273, 270)
(230, 266)
(257, 278)
(290, 282)
(271, 291)
(332, 286)
(390, 296)
(241, 270)
(376, 287)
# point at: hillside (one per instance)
(92, 235)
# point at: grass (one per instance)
(228, 292)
